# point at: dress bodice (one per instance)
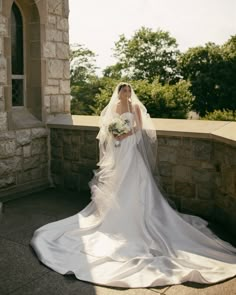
(129, 116)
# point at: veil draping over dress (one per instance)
(129, 235)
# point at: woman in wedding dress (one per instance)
(129, 235)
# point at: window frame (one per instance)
(23, 75)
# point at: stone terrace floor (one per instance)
(22, 274)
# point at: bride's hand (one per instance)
(122, 136)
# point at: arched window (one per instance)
(17, 57)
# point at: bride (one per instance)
(129, 235)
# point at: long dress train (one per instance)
(141, 241)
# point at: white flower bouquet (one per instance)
(117, 127)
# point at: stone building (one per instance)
(34, 88)
(42, 144)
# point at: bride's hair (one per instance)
(122, 85)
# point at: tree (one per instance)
(84, 82)
(163, 101)
(211, 70)
(148, 54)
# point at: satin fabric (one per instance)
(141, 241)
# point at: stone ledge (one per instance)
(224, 131)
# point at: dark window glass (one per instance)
(17, 41)
(17, 56)
(17, 92)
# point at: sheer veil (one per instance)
(102, 188)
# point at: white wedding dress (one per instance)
(141, 241)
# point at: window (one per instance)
(17, 55)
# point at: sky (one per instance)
(98, 24)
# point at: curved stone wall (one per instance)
(196, 162)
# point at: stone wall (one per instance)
(23, 131)
(56, 52)
(74, 154)
(200, 176)
(196, 170)
(23, 162)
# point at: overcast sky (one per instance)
(98, 24)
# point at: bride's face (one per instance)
(125, 92)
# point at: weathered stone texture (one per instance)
(199, 175)
(3, 121)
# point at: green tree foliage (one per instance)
(146, 55)
(211, 70)
(218, 115)
(84, 82)
(163, 101)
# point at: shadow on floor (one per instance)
(21, 273)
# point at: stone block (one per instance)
(202, 149)
(70, 154)
(62, 23)
(65, 36)
(75, 140)
(167, 154)
(2, 105)
(39, 132)
(67, 103)
(7, 148)
(6, 135)
(55, 7)
(3, 121)
(7, 181)
(57, 166)
(23, 136)
(183, 173)
(55, 69)
(65, 86)
(66, 73)
(49, 49)
(53, 35)
(24, 177)
(39, 146)
(27, 151)
(51, 90)
(205, 191)
(19, 151)
(31, 162)
(36, 173)
(228, 180)
(18, 163)
(52, 19)
(165, 169)
(170, 141)
(3, 26)
(7, 166)
(53, 82)
(61, 105)
(63, 51)
(185, 190)
(54, 104)
(87, 151)
(203, 175)
(56, 137)
(1, 45)
(56, 152)
(67, 139)
(3, 76)
(44, 158)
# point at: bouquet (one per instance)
(117, 127)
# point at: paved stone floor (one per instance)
(22, 274)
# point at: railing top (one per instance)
(224, 131)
